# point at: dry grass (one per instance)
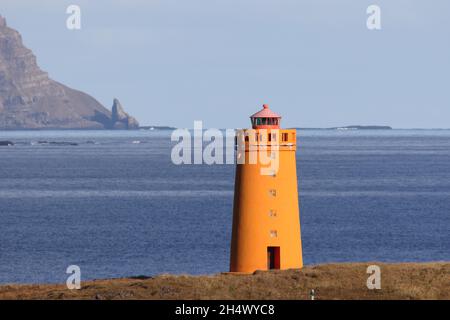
(333, 281)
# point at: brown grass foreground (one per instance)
(332, 281)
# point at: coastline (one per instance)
(399, 281)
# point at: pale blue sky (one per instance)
(315, 62)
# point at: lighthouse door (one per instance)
(273, 258)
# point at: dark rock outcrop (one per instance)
(29, 99)
(6, 143)
(120, 119)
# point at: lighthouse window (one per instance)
(272, 213)
(273, 233)
(273, 192)
(272, 137)
(284, 137)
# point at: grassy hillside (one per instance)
(333, 281)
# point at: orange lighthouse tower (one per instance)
(266, 222)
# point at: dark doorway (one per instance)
(273, 258)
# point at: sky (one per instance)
(315, 62)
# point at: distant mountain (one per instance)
(351, 128)
(157, 128)
(363, 128)
(29, 99)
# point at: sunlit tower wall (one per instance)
(266, 221)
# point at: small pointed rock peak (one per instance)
(116, 101)
(2, 22)
(117, 110)
(120, 119)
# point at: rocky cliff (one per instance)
(29, 99)
(120, 119)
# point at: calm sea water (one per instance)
(118, 208)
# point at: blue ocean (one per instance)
(113, 203)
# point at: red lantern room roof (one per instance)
(265, 119)
(265, 113)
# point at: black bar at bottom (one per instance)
(223, 309)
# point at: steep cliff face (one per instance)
(120, 119)
(29, 99)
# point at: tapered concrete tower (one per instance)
(266, 222)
